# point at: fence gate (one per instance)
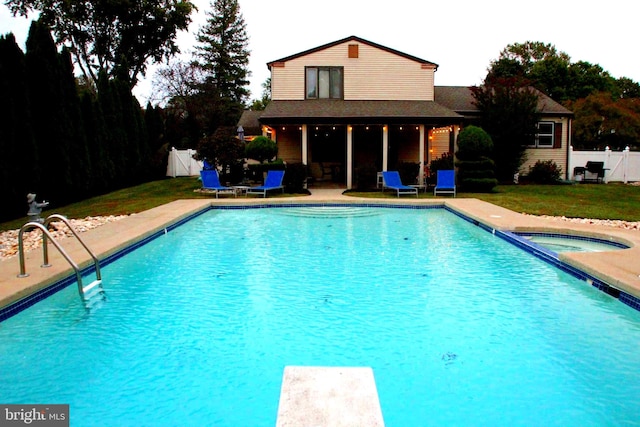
(182, 163)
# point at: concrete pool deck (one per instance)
(618, 268)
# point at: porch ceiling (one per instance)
(354, 112)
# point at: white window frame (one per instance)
(546, 136)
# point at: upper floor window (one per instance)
(545, 135)
(324, 83)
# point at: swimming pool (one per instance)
(200, 323)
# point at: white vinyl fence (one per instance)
(182, 163)
(621, 166)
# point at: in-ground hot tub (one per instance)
(557, 242)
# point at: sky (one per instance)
(462, 36)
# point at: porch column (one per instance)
(305, 146)
(422, 146)
(456, 131)
(349, 157)
(385, 147)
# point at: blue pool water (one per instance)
(459, 326)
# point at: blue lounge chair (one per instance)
(391, 180)
(446, 183)
(273, 181)
(211, 182)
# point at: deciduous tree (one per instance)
(105, 35)
(602, 121)
(509, 114)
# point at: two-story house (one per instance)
(353, 104)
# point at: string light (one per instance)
(441, 130)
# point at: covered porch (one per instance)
(339, 139)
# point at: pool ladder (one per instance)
(87, 293)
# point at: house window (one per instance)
(324, 82)
(545, 135)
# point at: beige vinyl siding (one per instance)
(375, 75)
(289, 147)
(558, 155)
(439, 145)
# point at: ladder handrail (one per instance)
(64, 219)
(23, 272)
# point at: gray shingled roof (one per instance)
(460, 99)
(451, 104)
(250, 122)
(456, 98)
(356, 111)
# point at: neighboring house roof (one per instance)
(339, 111)
(549, 107)
(352, 39)
(456, 98)
(460, 99)
(250, 122)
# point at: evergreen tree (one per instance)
(155, 136)
(133, 130)
(103, 174)
(115, 138)
(19, 172)
(223, 56)
(53, 130)
(80, 162)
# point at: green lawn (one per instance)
(600, 201)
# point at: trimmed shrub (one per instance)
(473, 143)
(545, 172)
(476, 171)
(261, 148)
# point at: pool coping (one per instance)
(610, 271)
